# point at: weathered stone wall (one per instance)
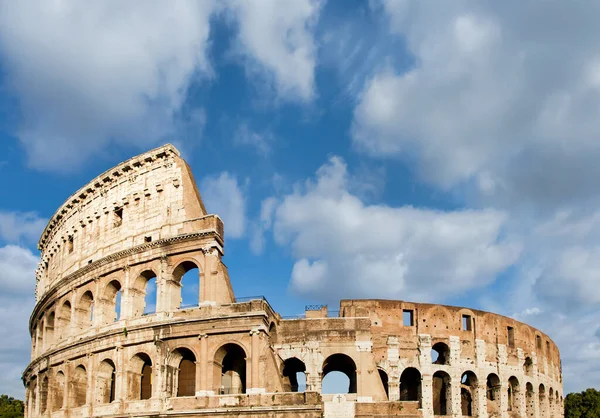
(99, 350)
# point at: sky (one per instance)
(425, 151)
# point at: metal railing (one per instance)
(314, 307)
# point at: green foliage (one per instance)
(11, 407)
(583, 405)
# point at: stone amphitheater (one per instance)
(111, 337)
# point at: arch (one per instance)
(383, 376)
(341, 363)
(514, 396)
(442, 393)
(542, 400)
(468, 387)
(493, 391)
(440, 353)
(272, 332)
(112, 301)
(144, 295)
(105, 382)
(64, 319)
(33, 392)
(230, 369)
(528, 367)
(182, 362)
(140, 373)
(44, 394)
(410, 385)
(85, 311)
(529, 400)
(78, 387)
(294, 370)
(49, 334)
(187, 274)
(57, 392)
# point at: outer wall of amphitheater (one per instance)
(111, 335)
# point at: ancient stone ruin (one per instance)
(111, 336)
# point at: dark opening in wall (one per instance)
(118, 217)
(538, 340)
(511, 337)
(467, 323)
(70, 244)
(147, 239)
(408, 317)
(547, 347)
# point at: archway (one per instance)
(384, 381)
(143, 294)
(78, 387)
(551, 402)
(141, 376)
(440, 353)
(105, 382)
(530, 400)
(49, 334)
(184, 362)
(343, 364)
(294, 370)
(230, 369)
(64, 320)
(85, 311)
(468, 388)
(514, 396)
(528, 367)
(410, 385)
(57, 392)
(187, 274)
(112, 302)
(442, 393)
(493, 390)
(543, 401)
(44, 394)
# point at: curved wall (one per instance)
(111, 336)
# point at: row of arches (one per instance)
(56, 391)
(113, 300)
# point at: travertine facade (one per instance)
(104, 343)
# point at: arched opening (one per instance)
(410, 385)
(440, 354)
(384, 381)
(40, 335)
(105, 382)
(442, 394)
(143, 294)
(44, 395)
(230, 369)
(85, 311)
(542, 399)
(294, 373)
(493, 390)
(468, 386)
(530, 400)
(33, 392)
(344, 366)
(514, 396)
(34, 337)
(141, 376)
(58, 391)
(49, 335)
(528, 367)
(78, 387)
(188, 276)
(273, 333)
(551, 402)
(183, 361)
(64, 319)
(112, 302)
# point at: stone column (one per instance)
(393, 344)
(66, 394)
(455, 401)
(120, 375)
(89, 397)
(126, 310)
(254, 362)
(203, 369)
(503, 398)
(536, 403)
(427, 395)
(480, 401)
(364, 349)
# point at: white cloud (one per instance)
(223, 196)
(507, 105)
(345, 248)
(15, 226)
(261, 142)
(276, 40)
(86, 74)
(17, 280)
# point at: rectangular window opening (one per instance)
(408, 317)
(118, 216)
(511, 337)
(147, 239)
(70, 244)
(467, 323)
(547, 347)
(538, 340)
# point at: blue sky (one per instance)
(428, 151)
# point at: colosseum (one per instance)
(111, 336)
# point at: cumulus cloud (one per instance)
(495, 98)
(16, 226)
(345, 248)
(224, 196)
(276, 40)
(261, 142)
